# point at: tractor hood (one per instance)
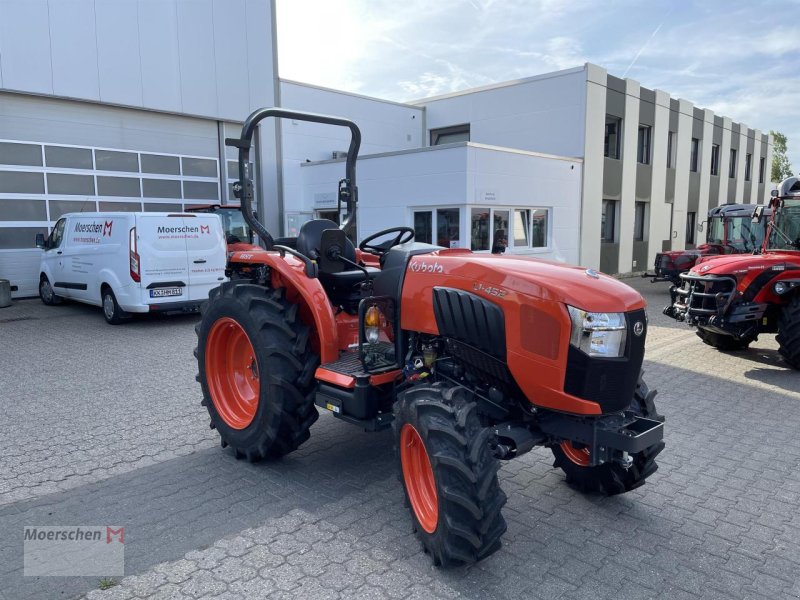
(738, 264)
(549, 280)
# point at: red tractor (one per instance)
(729, 230)
(472, 359)
(733, 299)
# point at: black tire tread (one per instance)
(291, 411)
(470, 499)
(611, 478)
(788, 337)
(725, 343)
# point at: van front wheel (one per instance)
(47, 294)
(111, 310)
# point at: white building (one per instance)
(126, 103)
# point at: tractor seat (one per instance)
(308, 243)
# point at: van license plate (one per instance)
(164, 292)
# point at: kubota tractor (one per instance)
(471, 358)
(733, 299)
(729, 230)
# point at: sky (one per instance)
(740, 59)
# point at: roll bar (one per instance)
(243, 189)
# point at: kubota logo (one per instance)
(205, 229)
(107, 228)
(424, 267)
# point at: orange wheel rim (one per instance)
(232, 373)
(580, 456)
(418, 475)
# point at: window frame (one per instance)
(670, 149)
(639, 227)
(694, 155)
(613, 120)
(613, 221)
(691, 227)
(511, 246)
(436, 134)
(734, 154)
(762, 164)
(748, 166)
(644, 143)
(715, 160)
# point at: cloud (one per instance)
(740, 59)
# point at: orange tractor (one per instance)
(473, 359)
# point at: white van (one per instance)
(133, 262)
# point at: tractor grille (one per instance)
(704, 295)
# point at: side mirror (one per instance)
(758, 214)
(774, 193)
(40, 243)
(700, 226)
(331, 251)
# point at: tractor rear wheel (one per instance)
(726, 343)
(256, 370)
(611, 478)
(788, 337)
(449, 474)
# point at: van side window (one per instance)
(57, 235)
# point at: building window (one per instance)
(748, 160)
(608, 223)
(732, 166)
(691, 219)
(715, 159)
(695, 155)
(613, 135)
(448, 227)
(500, 222)
(479, 229)
(643, 149)
(450, 135)
(638, 221)
(423, 226)
(670, 150)
(762, 164)
(530, 228)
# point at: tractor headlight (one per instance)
(598, 334)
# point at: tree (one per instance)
(781, 168)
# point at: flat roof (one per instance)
(448, 147)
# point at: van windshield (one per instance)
(236, 228)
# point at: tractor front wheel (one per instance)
(449, 474)
(256, 370)
(726, 343)
(611, 478)
(788, 337)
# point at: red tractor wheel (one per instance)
(256, 370)
(611, 478)
(449, 474)
(232, 373)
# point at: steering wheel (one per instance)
(404, 234)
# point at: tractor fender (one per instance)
(315, 309)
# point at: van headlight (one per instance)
(598, 334)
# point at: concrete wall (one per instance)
(385, 127)
(540, 114)
(212, 58)
(460, 175)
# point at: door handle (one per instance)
(59, 252)
(199, 262)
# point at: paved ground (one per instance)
(103, 425)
